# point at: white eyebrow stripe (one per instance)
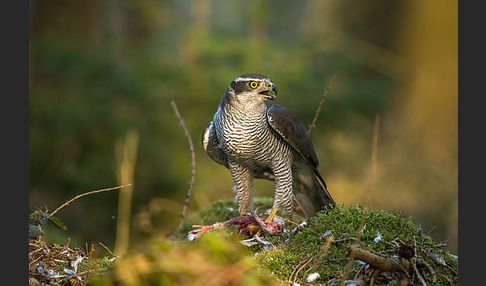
(247, 78)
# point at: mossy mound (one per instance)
(339, 246)
(322, 247)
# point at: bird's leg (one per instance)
(283, 198)
(244, 187)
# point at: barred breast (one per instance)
(249, 139)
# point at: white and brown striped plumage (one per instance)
(254, 138)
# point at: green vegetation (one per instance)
(293, 255)
(219, 257)
(321, 245)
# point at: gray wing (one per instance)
(292, 131)
(210, 144)
(309, 187)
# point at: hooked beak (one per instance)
(271, 88)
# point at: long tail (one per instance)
(310, 190)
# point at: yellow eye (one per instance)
(253, 84)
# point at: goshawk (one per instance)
(255, 138)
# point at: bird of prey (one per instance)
(255, 138)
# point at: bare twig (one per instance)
(107, 249)
(193, 164)
(85, 194)
(302, 267)
(421, 279)
(89, 271)
(35, 260)
(299, 267)
(327, 238)
(320, 104)
(431, 270)
(427, 234)
(89, 253)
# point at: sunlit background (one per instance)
(103, 73)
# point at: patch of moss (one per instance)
(293, 255)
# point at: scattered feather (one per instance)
(249, 242)
(363, 229)
(254, 240)
(453, 256)
(312, 277)
(299, 227)
(437, 258)
(76, 263)
(328, 232)
(357, 282)
(378, 237)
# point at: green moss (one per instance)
(294, 255)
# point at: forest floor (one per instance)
(339, 246)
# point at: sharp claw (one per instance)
(200, 229)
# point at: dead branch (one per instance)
(377, 261)
(313, 124)
(421, 279)
(107, 249)
(193, 164)
(85, 194)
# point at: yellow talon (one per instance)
(271, 215)
(255, 229)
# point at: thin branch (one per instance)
(421, 279)
(193, 164)
(299, 267)
(320, 104)
(107, 249)
(85, 194)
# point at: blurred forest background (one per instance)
(103, 73)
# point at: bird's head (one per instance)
(253, 88)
